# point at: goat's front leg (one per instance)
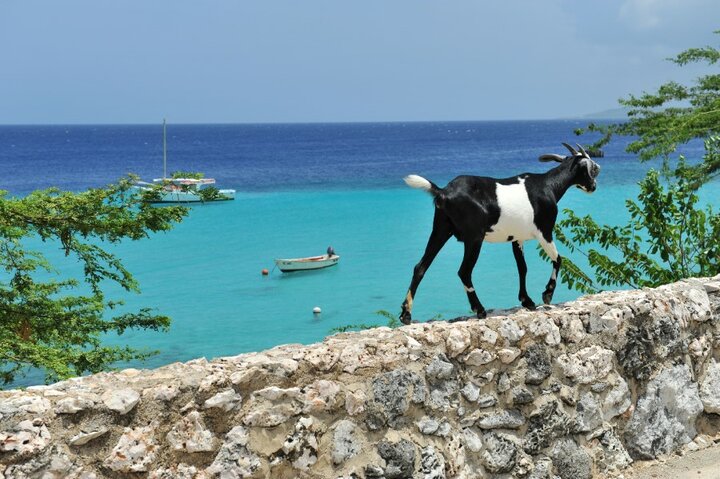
(437, 240)
(552, 252)
(472, 251)
(525, 300)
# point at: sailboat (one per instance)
(181, 190)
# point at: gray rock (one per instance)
(440, 368)
(571, 461)
(538, 363)
(234, 459)
(544, 426)
(500, 453)
(612, 456)
(710, 388)
(664, 418)
(428, 425)
(393, 392)
(617, 401)
(521, 395)
(648, 343)
(589, 416)
(487, 400)
(374, 472)
(432, 463)
(225, 400)
(470, 392)
(503, 383)
(542, 469)
(346, 441)
(507, 419)
(399, 458)
(471, 440)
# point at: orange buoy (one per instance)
(265, 272)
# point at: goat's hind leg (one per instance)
(522, 272)
(472, 251)
(439, 236)
(552, 252)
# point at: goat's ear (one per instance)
(552, 157)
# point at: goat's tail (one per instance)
(415, 181)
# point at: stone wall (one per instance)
(578, 390)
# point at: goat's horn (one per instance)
(582, 150)
(552, 157)
(572, 150)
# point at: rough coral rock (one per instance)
(664, 418)
(710, 388)
(190, 435)
(134, 452)
(347, 441)
(500, 453)
(399, 458)
(235, 460)
(571, 461)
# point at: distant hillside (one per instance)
(612, 114)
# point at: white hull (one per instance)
(190, 197)
(304, 264)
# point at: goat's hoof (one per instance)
(482, 314)
(405, 317)
(529, 304)
(547, 297)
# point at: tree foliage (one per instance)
(668, 236)
(55, 323)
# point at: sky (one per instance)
(241, 61)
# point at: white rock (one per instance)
(25, 438)
(225, 400)
(120, 400)
(587, 365)
(510, 330)
(72, 405)
(472, 440)
(135, 450)
(24, 404)
(576, 331)
(710, 388)
(508, 355)
(546, 328)
(234, 460)
(355, 402)
(488, 335)
(165, 392)
(479, 357)
(321, 396)
(85, 437)
(190, 435)
(458, 341)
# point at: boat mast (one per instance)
(164, 151)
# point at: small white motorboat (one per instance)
(303, 264)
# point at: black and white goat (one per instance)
(476, 209)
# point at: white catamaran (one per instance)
(180, 190)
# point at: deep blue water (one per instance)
(300, 189)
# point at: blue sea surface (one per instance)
(302, 187)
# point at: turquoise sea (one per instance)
(300, 189)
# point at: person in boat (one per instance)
(330, 251)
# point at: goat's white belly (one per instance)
(516, 215)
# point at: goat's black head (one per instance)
(585, 170)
